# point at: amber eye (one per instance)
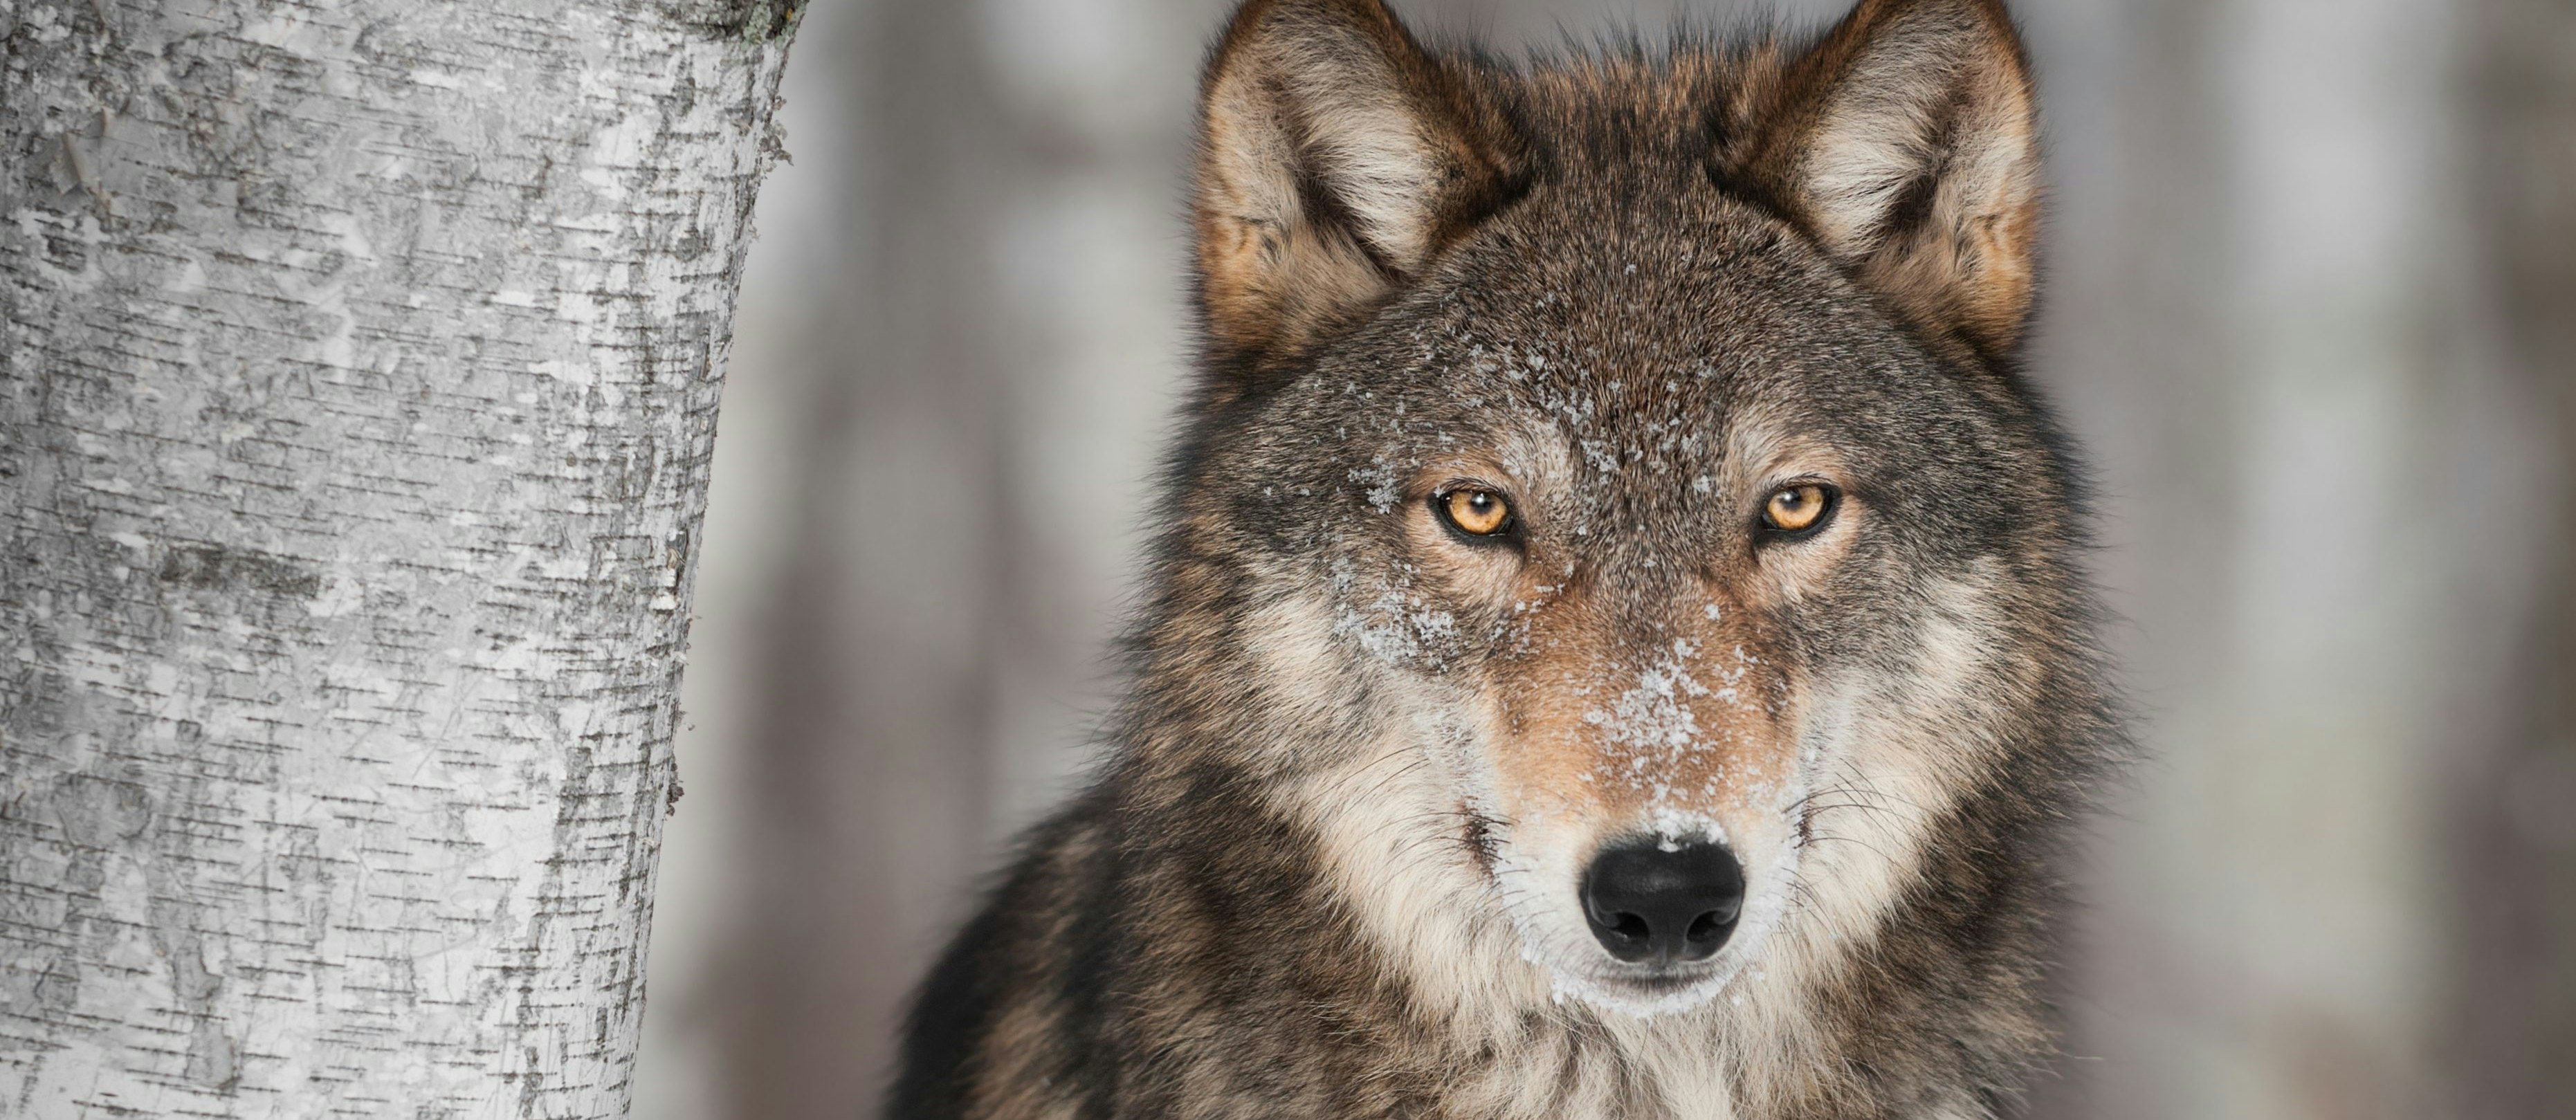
(1477, 513)
(1797, 508)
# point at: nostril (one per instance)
(1652, 903)
(1702, 928)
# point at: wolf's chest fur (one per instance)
(1614, 646)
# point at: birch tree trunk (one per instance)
(361, 372)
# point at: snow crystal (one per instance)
(1379, 477)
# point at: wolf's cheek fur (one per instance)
(1458, 806)
(1891, 740)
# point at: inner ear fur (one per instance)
(1906, 141)
(1335, 159)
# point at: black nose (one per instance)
(1658, 904)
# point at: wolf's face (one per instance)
(1616, 465)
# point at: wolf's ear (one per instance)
(1335, 158)
(1907, 141)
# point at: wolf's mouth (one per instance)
(1642, 990)
(1663, 981)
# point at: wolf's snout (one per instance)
(1649, 903)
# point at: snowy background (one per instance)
(2308, 304)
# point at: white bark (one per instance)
(361, 371)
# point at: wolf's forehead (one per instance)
(1656, 340)
(1662, 378)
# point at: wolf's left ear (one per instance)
(1907, 141)
(1335, 159)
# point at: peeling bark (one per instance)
(361, 371)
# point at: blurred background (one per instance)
(2311, 305)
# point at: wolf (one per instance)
(1617, 641)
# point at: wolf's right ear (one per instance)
(1335, 159)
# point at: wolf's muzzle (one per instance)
(1650, 902)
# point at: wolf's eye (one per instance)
(1797, 508)
(1477, 513)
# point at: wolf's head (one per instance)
(1611, 473)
